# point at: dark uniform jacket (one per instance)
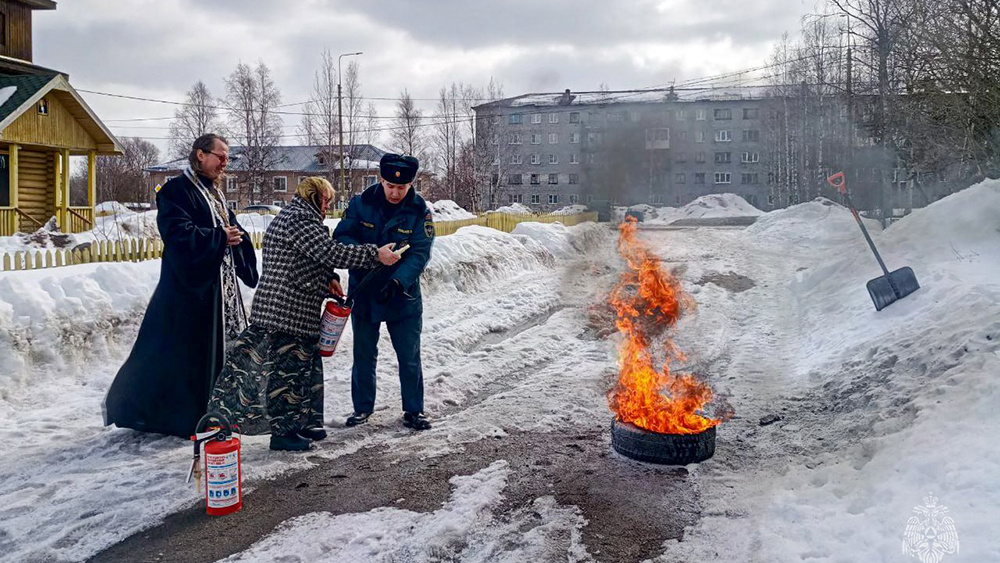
(165, 383)
(299, 260)
(369, 218)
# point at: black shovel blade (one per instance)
(886, 290)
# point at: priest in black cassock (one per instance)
(196, 309)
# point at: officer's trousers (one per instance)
(405, 336)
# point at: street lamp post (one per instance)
(340, 121)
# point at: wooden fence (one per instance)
(136, 250)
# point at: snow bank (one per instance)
(719, 205)
(560, 240)
(885, 407)
(448, 210)
(817, 222)
(514, 209)
(570, 210)
(111, 207)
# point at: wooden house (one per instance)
(43, 121)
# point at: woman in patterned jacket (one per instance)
(273, 378)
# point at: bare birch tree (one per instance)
(196, 117)
(254, 127)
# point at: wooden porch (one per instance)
(38, 189)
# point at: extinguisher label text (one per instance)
(223, 479)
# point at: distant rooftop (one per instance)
(655, 95)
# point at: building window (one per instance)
(699, 136)
(680, 178)
(751, 135)
(553, 159)
(574, 178)
(3, 29)
(680, 157)
(722, 136)
(553, 198)
(661, 134)
(750, 113)
(553, 118)
(722, 114)
(553, 178)
(515, 119)
(700, 157)
(536, 118)
(515, 139)
(699, 115)
(574, 138)
(534, 179)
(536, 159)
(232, 204)
(751, 157)
(749, 178)
(535, 198)
(536, 138)
(277, 203)
(680, 115)
(516, 159)
(280, 183)
(514, 198)
(574, 117)
(573, 198)
(699, 177)
(43, 107)
(303, 179)
(553, 138)
(514, 179)
(574, 159)
(231, 184)
(683, 135)
(723, 178)
(723, 158)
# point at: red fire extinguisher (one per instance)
(337, 311)
(223, 476)
(331, 327)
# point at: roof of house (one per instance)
(24, 90)
(38, 4)
(654, 95)
(300, 158)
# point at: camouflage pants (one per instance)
(272, 382)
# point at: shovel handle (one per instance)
(838, 182)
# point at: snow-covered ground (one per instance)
(64, 333)
(870, 411)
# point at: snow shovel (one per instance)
(891, 286)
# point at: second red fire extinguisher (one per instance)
(221, 469)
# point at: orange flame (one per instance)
(648, 299)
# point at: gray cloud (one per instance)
(159, 48)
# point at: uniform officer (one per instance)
(389, 211)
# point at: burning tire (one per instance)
(666, 449)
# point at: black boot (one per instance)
(416, 421)
(315, 433)
(290, 442)
(357, 418)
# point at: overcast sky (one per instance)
(159, 48)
